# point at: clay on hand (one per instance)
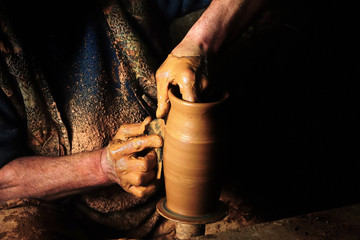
(131, 160)
(187, 72)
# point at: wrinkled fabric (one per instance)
(11, 130)
(82, 97)
(30, 95)
(70, 86)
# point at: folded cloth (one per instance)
(72, 76)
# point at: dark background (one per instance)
(293, 116)
(294, 112)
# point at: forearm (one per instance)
(220, 23)
(51, 177)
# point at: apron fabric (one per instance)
(73, 96)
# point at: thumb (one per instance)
(129, 130)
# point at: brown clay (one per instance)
(187, 72)
(128, 164)
(192, 156)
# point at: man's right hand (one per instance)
(124, 164)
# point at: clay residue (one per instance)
(239, 214)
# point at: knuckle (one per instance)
(158, 74)
(121, 164)
(138, 179)
(137, 145)
(187, 75)
(145, 165)
(161, 75)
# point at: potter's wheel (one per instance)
(217, 215)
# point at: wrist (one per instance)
(189, 47)
(107, 165)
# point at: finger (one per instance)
(142, 191)
(138, 178)
(139, 164)
(187, 87)
(138, 144)
(132, 130)
(162, 83)
(204, 83)
(149, 161)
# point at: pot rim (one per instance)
(175, 100)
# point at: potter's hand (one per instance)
(131, 162)
(186, 67)
(217, 26)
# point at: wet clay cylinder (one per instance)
(192, 156)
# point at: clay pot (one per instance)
(192, 156)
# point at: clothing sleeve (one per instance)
(12, 133)
(176, 8)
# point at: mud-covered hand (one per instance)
(212, 33)
(185, 67)
(131, 160)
